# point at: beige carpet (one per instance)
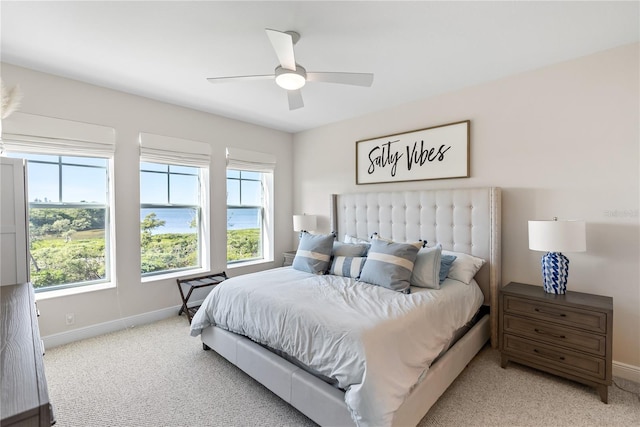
(157, 375)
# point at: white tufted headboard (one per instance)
(461, 220)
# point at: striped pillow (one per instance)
(314, 252)
(390, 264)
(347, 266)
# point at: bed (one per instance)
(466, 221)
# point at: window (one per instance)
(174, 205)
(170, 217)
(68, 220)
(249, 205)
(245, 215)
(69, 193)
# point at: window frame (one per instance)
(108, 207)
(202, 215)
(266, 231)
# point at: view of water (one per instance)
(240, 219)
(178, 220)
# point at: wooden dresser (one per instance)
(24, 398)
(567, 335)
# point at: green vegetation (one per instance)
(168, 251)
(68, 246)
(56, 261)
(243, 244)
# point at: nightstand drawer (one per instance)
(584, 319)
(555, 357)
(556, 335)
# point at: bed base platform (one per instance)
(323, 403)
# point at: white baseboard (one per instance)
(628, 372)
(62, 338)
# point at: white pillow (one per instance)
(353, 239)
(464, 267)
(426, 269)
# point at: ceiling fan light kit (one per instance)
(291, 79)
(291, 76)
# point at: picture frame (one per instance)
(437, 152)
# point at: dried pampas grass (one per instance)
(10, 100)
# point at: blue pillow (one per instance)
(390, 264)
(350, 249)
(426, 269)
(445, 265)
(314, 252)
(347, 266)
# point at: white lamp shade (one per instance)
(557, 236)
(305, 222)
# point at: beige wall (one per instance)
(48, 95)
(561, 141)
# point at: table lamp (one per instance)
(305, 222)
(555, 237)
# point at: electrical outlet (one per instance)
(70, 318)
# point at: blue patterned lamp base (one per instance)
(555, 272)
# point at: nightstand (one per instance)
(288, 258)
(566, 335)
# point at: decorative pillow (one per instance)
(353, 239)
(374, 236)
(350, 249)
(314, 252)
(426, 270)
(445, 265)
(390, 264)
(347, 266)
(464, 267)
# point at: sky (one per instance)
(81, 177)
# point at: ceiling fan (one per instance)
(292, 76)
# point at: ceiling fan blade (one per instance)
(295, 99)
(283, 45)
(239, 78)
(356, 79)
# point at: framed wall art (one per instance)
(437, 152)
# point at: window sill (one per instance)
(248, 263)
(73, 291)
(173, 275)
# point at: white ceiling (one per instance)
(166, 50)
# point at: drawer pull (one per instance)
(541, 332)
(551, 356)
(550, 312)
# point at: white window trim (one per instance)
(34, 134)
(183, 152)
(253, 161)
(174, 274)
(57, 293)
